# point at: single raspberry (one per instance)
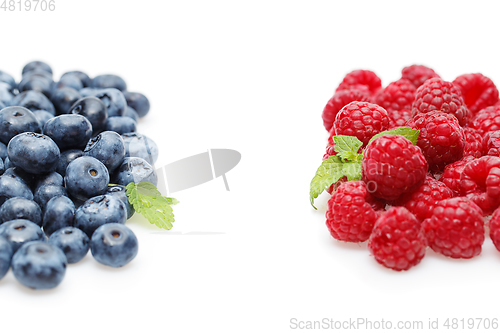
(441, 138)
(439, 95)
(392, 165)
(360, 119)
(473, 143)
(398, 118)
(352, 212)
(338, 101)
(491, 143)
(396, 96)
(478, 91)
(422, 201)
(480, 182)
(495, 228)
(330, 151)
(418, 74)
(453, 173)
(456, 228)
(361, 79)
(397, 241)
(487, 119)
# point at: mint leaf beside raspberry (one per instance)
(408, 132)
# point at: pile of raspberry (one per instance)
(443, 192)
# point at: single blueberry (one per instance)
(66, 158)
(72, 241)
(7, 78)
(59, 213)
(2, 167)
(36, 82)
(6, 253)
(135, 170)
(3, 150)
(69, 131)
(20, 208)
(120, 192)
(39, 265)
(36, 65)
(67, 81)
(108, 147)
(33, 100)
(113, 99)
(86, 177)
(84, 78)
(42, 116)
(100, 210)
(87, 91)
(138, 102)
(11, 186)
(109, 81)
(139, 145)
(15, 120)
(34, 153)
(46, 192)
(6, 94)
(93, 109)
(121, 125)
(131, 113)
(7, 164)
(114, 245)
(63, 98)
(53, 178)
(25, 177)
(19, 232)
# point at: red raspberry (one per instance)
(422, 201)
(440, 95)
(361, 80)
(487, 120)
(491, 143)
(480, 182)
(360, 119)
(477, 90)
(495, 228)
(392, 165)
(453, 173)
(441, 138)
(338, 101)
(398, 95)
(473, 143)
(456, 228)
(397, 240)
(352, 212)
(418, 74)
(398, 118)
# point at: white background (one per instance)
(252, 76)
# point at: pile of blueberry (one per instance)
(68, 148)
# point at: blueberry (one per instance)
(46, 192)
(100, 210)
(15, 120)
(34, 153)
(19, 232)
(11, 187)
(42, 116)
(139, 145)
(39, 265)
(72, 241)
(107, 147)
(87, 91)
(109, 81)
(59, 213)
(114, 245)
(20, 208)
(2, 167)
(138, 102)
(86, 177)
(3, 150)
(131, 113)
(7, 78)
(6, 253)
(66, 158)
(6, 95)
(69, 131)
(136, 170)
(113, 99)
(36, 82)
(53, 178)
(37, 65)
(7, 163)
(84, 78)
(33, 100)
(63, 98)
(21, 175)
(68, 81)
(120, 192)
(93, 109)
(121, 125)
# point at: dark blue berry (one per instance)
(11, 186)
(139, 145)
(63, 98)
(46, 192)
(53, 178)
(131, 113)
(138, 102)
(36, 82)
(109, 81)
(68, 81)
(72, 241)
(6, 95)
(120, 192)
(84, 78)
(25, 177)
(3, 150)
(93, 109)
(114, 245)
(42, 116)
(20, 208)
(108, 147)
(66, 158)
(15, 120)
(86, 177)
(21, 231)
(36, 65)
(113, 99)
(6, 253)
(135, 170)
(121, 125)
(59, 213)
(34, 153)
(33, 100)
(100, 210)
(7, 78)
(69, 131)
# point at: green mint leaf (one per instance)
(352, 170)
(348, 156)
(149, 202)
(408, 132)
(346, 144)
(328, 173)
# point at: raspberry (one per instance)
(397, 240)
(480, 182)
(453, 173)
(441, 138)
(422, 201)
(478, 91)
(338, 101)
(398, 118)
(392, 165)
(360, 119)
(418, 74)
(440, 95)
(491, 143)
(487, 120)
(456, 228)
(495, 228)
(473, 143)
(361, 80)
(397, 95)
(352, 212)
